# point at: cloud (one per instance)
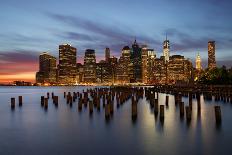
(100, 33)
(18, 62)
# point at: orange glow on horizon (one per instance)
(28, 77)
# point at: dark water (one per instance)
(64, 130)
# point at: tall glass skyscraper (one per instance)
(211, 55)
(90, 66)
(67, 64)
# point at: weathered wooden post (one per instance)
(188, 113)
(181, 109)
(134, 110)
(217, 114)
(90, 107)
(64, 94)
(42, 101)
(20, 101)
(12, 103)
(161, 112)
(47, 95)
(156, 110)
(46, 103)
(107, 111)
(80, 104)
(167, 100)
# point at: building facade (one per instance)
(166, 50)
(198, 62)
(107, 54)
(211, 55)
(67, 64)
(47, 69)
(90, 66)
(123, 67)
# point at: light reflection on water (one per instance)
(65, 130)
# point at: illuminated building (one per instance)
(136, 63)
(148, 62)
(144, 64)
(179, 69)
(150, 65)
(166, 50)
(89, 66)
(113, 61)
(67, 64)
(47, 69)
(104, 73)
(198, 62)
(107, 54)
(160, 71)
(122, 69)
(211, 55)
(80, 73)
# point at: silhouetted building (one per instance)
(89, 66)
(211, 55)
(107, 54)
(47, 69)
(67, 64)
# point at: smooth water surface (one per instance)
(64, 130)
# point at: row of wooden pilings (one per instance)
(106, 96)
(152, 95)
(20, 102)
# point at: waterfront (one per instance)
(64, 130)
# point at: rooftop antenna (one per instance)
(166, 36)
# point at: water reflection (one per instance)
(72, 129)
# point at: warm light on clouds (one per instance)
(29, 77)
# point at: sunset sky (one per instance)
(29, 27)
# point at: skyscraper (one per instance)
(136, 63)
(198, 62)
(211, 55)
(90, 66)
(67, 64)
(123, 68)
(107, 54)
(166, 50)
(47, 69)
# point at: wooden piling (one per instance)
(20, 101)
(161, 111)
(217, 114)
(12, 103)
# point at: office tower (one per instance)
(123, 66)
(113, 61)
(150, 65)
(166, 50)
(107, 54)
(67, 64)
(104, 73)
(211, 55)
(144, 64)
(47, 69)
(89, 66)
(80, 73)
(136, 63)
(179, 69)
(198, 62)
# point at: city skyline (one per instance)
(27, 30)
